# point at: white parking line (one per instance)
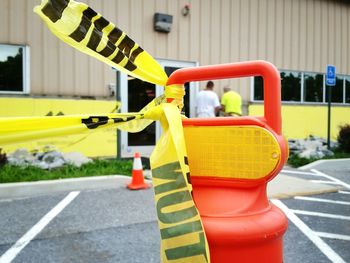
(331, 178)
(314, 199)
(325, 249)
(12, 252)
(344, 192)
(333, 236)
(310, 213)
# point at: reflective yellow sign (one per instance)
(240, 152)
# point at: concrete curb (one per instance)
(19, 190)
(284, 186)
(302, 193)
(281, 187)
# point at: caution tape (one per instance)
(21, 129)
(80, 26)
(181, 230)
(182, 234)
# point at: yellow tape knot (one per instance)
(177, 93)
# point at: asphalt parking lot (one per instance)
(118, 225)
(319, 225)
(109, 225)
(321, 232)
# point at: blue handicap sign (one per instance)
(330, 75)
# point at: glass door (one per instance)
(135, 94)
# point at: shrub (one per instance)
(344, 138)
(3, 158)
(295, 161)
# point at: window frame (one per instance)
(302, 87)
(25, 70)
(346, 78)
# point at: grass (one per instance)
(12, 173)
(296, 161)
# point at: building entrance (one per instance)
(135, 94)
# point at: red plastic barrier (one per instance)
(240, 223)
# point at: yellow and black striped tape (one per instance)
(21, 129)
(81, 27)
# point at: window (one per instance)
(14, 69)
(306, 87)
(258, 88)
(313, 87)
(337, 91)
(290, 82)
(347, 90)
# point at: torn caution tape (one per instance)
(80, 26)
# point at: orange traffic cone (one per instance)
(137, 181)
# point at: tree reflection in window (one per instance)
(347, 90)
(337, 91)
(258, 88)
(11, 68)
(313, 87)
(290, 82)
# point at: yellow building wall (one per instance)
(300, 121)
(96, 144)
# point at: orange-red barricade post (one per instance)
(231, 160)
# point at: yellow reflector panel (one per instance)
(242, 152)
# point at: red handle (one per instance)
(270, 74)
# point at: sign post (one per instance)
(330, 81)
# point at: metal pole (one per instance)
(329, 117)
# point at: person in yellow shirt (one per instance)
(231, 102)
